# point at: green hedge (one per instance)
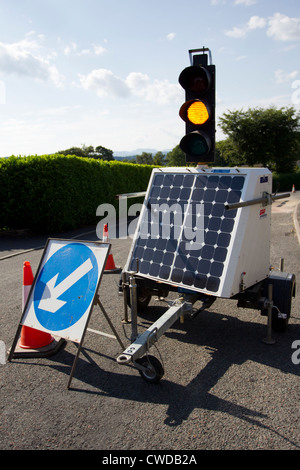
(52, 193)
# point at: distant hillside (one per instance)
(128, 157)
(119, 155)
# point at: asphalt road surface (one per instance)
(223, 387)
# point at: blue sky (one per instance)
(97, 72)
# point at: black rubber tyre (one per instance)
(155, 370)
(143, 299)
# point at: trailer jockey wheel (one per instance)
(154, 371)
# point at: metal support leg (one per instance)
(125, 320)
(110, 323)
(116, 336)
(269, 339)
(281, 264)
(133, 303)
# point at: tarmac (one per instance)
(296, 218)
(223, 388)
(290, 205)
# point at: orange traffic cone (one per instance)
(105, 233)
(110, 266)
(293, 189)
(30, 337)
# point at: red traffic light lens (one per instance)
(195, 79)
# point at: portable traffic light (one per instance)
(198, 111)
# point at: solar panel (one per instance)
(185, 235)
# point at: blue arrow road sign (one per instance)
(65, 287)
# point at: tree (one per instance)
(227, 154)
(89, 152)
(79, 152)
(176, 157)
(266, 136)
(103, 153)
(145, 158)
(159, 159)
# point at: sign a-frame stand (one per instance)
(64, 292)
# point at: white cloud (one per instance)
(84, 52)
(254, 22)
(99, 50)
(284, 77)
(218, 2)
(247, 3)
(284, 28)
(103, 82)
(137, 82)
(171, 36)
(236, 32)
(24, 58)
(280, 27)
(162, 92)
(72, 48)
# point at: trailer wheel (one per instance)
(284, 285)
(282, 298)
(155, 370)
(143, 298)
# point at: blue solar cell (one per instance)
(212, 284)
(237, 182)
(234, 196)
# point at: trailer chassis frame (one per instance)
(258, 297)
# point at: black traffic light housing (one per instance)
(198, 111)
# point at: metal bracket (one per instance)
(265, 200)
(131, 195)
(203, 50)
(269, 305)
(242, 283)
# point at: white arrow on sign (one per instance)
(50, 298)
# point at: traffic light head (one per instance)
(198, 111)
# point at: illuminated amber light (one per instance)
(197, 113)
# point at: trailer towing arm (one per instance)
(144, 341)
